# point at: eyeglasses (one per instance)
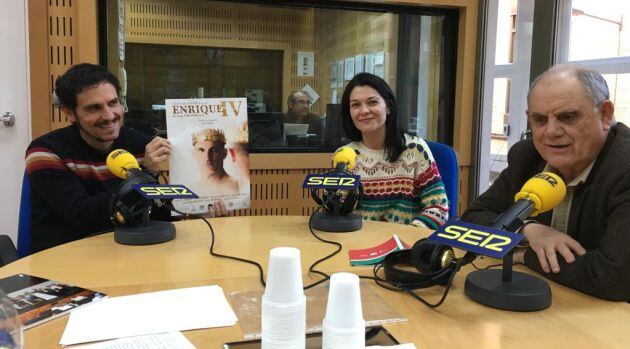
(303, 102)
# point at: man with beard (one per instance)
(71, 185)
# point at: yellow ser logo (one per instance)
(475, 237)
(159, 191)
(332, 181)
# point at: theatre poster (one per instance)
(209, 139)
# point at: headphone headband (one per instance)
(128, 207)
(410, 279)
(351, 200)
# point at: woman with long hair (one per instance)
(401, 179)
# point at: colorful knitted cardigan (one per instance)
(407, 191)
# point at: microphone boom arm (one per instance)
(512, 219)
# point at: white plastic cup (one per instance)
(343, 325)
(283, 319)
(283, 327)
(284, 276)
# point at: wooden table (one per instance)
(574, 320)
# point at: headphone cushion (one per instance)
(126, 201)
(401, 277)
(426, 256)
(349, 203)
(316, 197)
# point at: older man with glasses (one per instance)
(300, 113)
(584, 242)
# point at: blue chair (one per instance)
(24, 223)
(446, 160)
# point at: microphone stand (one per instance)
(334, 220)
(507, 289)
(136, 228)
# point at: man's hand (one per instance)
(156, 152)
(217, 209)
(548, 242)
(519, 256)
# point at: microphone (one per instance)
(539, 194)
(508, 289)
(122, 164)
(344, 159)
(130, 206)
(342, 191)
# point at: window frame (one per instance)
(449, 73)
(611, 65)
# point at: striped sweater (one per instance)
(407, 191)
(71, 185)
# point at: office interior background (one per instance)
(460, 69)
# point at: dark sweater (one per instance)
(71, 185)
(315, 123)
(599, 219)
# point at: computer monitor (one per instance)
(295, 129)
(335, 136)
(265, 130)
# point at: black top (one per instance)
(71, 185)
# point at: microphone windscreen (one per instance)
(121, 163)
(344, 155)
(546, 190)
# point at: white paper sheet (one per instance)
(173, 340)
(149, 313)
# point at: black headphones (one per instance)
(435, 263)
(331, 200)
(127, 207)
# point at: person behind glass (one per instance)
(300, 113)
(70, 185)
(210, 152)
(401, 180)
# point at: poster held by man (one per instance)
(210, 141)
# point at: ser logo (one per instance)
(331, 181)
(118, 152)
(476, 238)
(166, 191)
(552, 181)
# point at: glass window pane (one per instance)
(599, 29)
(500, 105)
(500, 119)
(619, 87)
(211, 49)
(506, 31)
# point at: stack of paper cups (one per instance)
(284, 303)
(343, 324)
